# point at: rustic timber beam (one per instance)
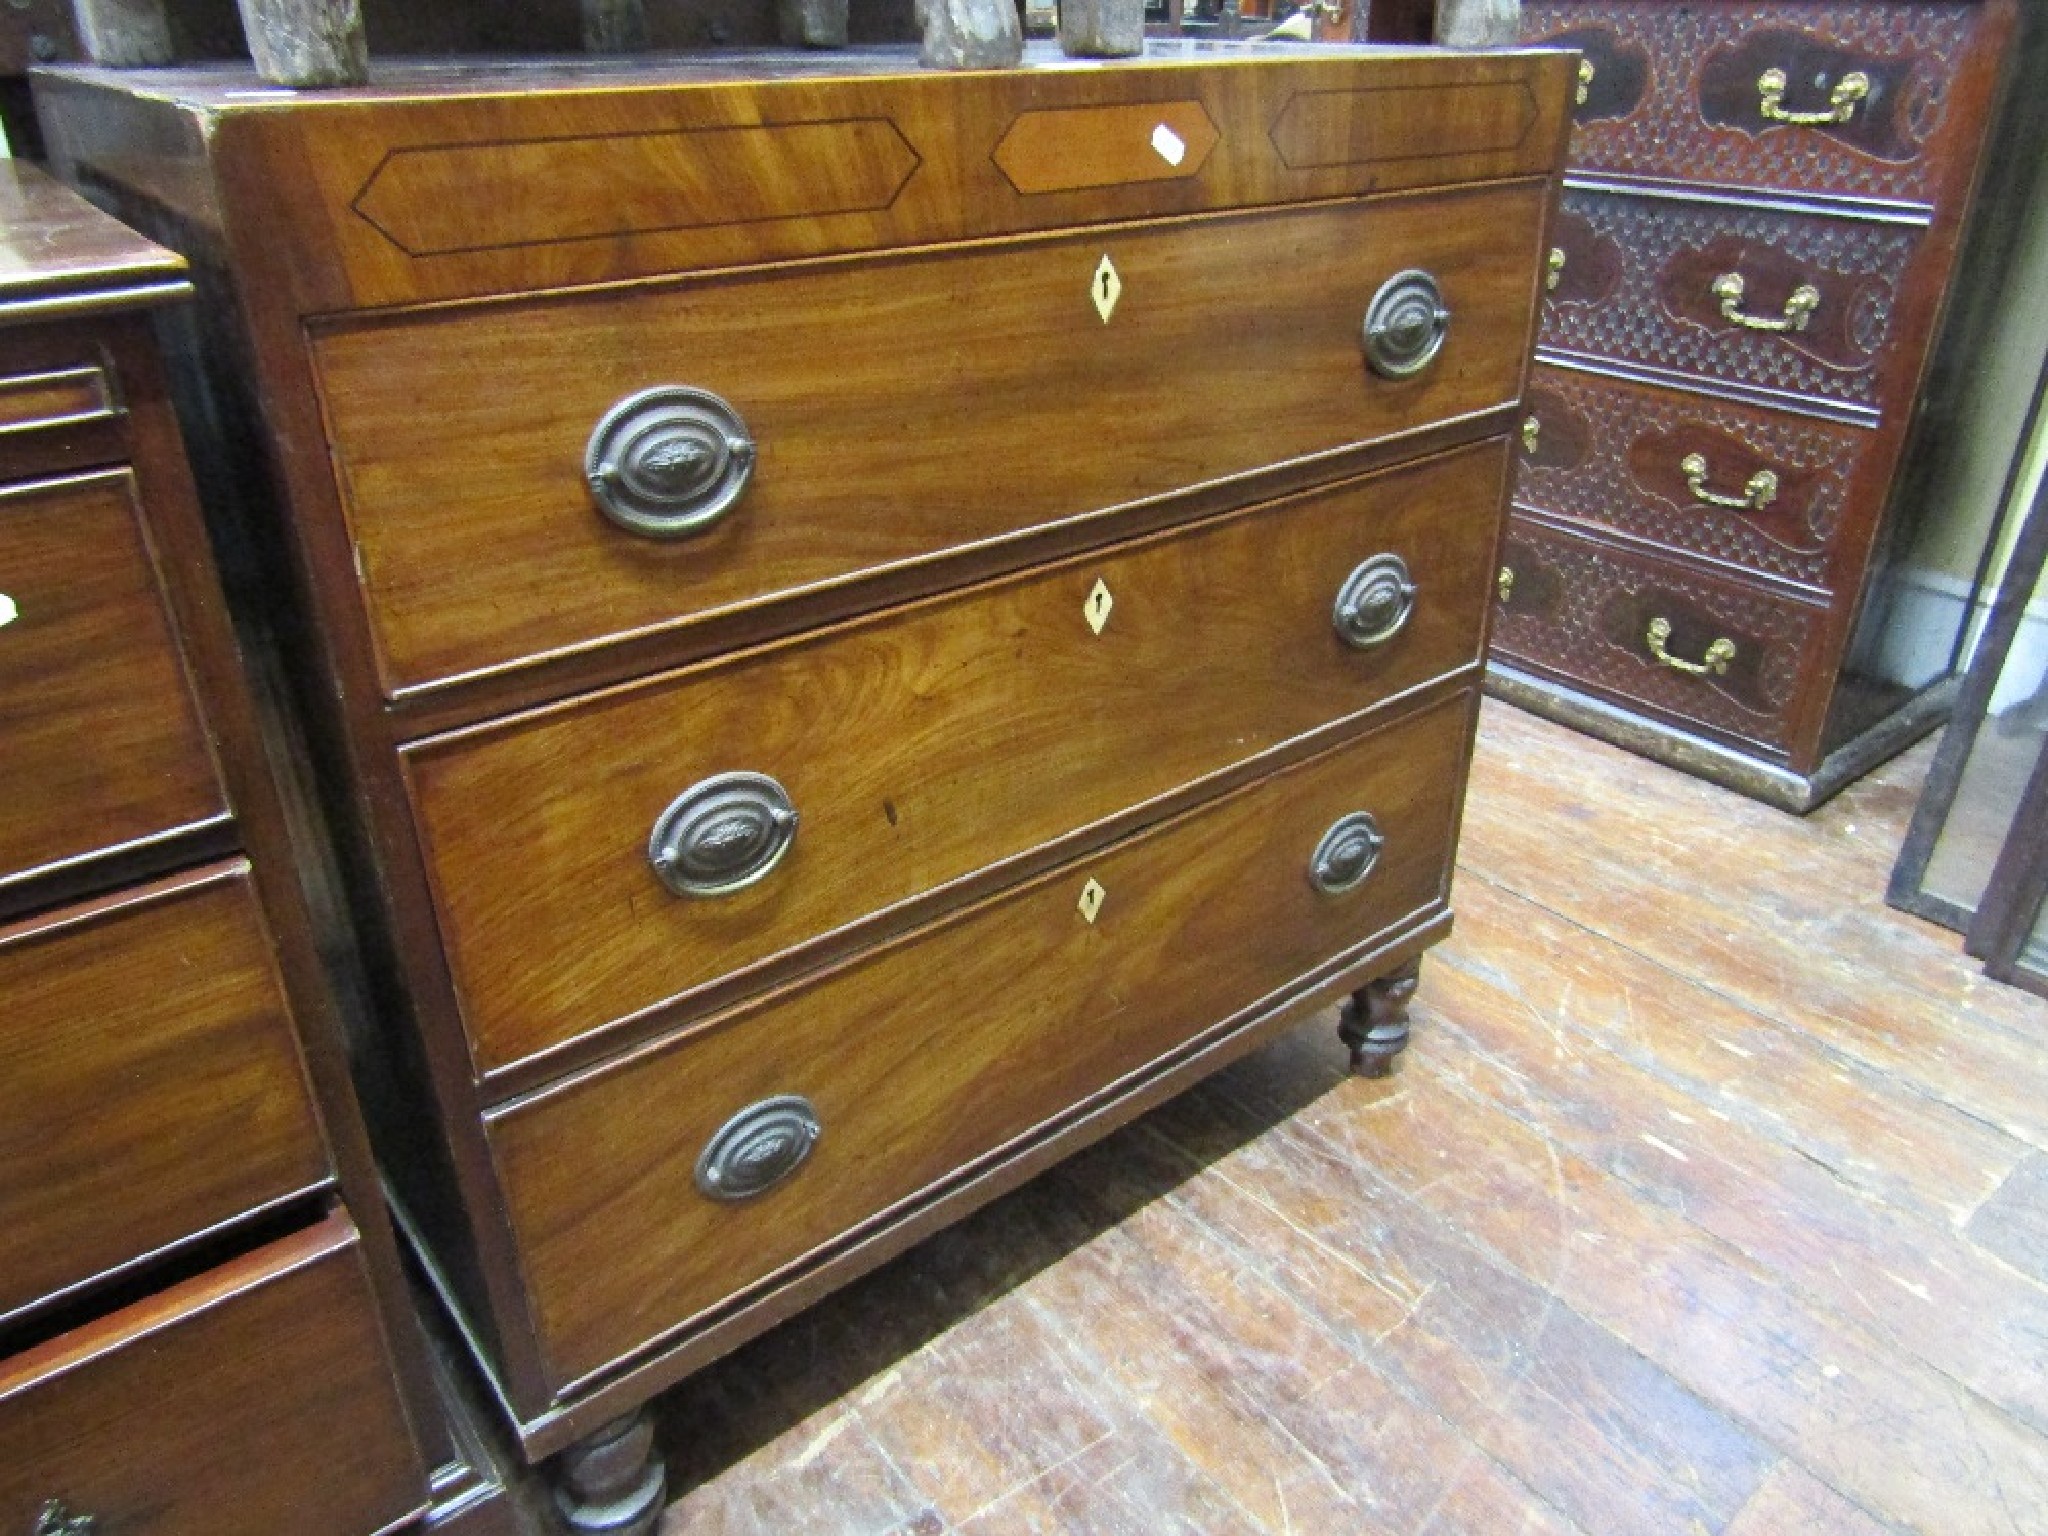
(124, 33)
(307, 43)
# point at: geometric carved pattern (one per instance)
(1858, 265)
(1790, 538)
(1913, 48)
(1582, 610)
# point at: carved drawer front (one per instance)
(1763, 490)
(704, 1165)
(1799, 304)
(101, 744)
(1850, 98)
(150, 1086)
(253, 1400)
(1712, 654)
(524, 479)
(598, 859)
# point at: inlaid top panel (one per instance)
(441, 182)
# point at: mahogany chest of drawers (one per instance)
(869, 624)
(1763, 206)
(191, 1338)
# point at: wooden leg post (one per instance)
(1375, 1022)
(307, 43)
(124, 34)
(612, 1483)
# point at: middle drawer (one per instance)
(817, 427)
(922, 746)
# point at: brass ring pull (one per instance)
(1758, 492)
(1585, 82)
(1770, 90)
(1554, 269)
(1532, 433)
(1506, 582)
(1729, 287)
(1716, 660)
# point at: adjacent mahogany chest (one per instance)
(867, 624)
(191, 1337)
(1762, 211)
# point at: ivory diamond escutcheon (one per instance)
(1106, 288)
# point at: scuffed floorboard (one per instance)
(1712, 1197)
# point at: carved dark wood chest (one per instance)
(1759, 223)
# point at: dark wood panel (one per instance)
(957, 1041)
(472, 516)
(99, 732)
(59, 253)
(1658, 299)
(1618, 454)
(1677, 92)
(151, 1089)
(253, 1400)
(1736, 659)
(922, 746)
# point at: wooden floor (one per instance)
(1712, 1196)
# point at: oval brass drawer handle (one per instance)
(668, 461)
(1374, 602)
(1505, 582)
(1553, 269)
(758, 1148)
(1532, 433)
(1729, 286)
(1405, 325)
(1850, 89)
(722, 834)
(1758, 492)
(1586, 72)
(1719, 654)
(1348, 852)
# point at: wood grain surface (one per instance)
(956, 1041)
(100, 737)
(152, 1088)
(460, 437)
(416, 188)
(1607, 1254)
(250, 1401)
(921, 746)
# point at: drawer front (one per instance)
(60, 402)
(1694, 92)
(899, 410)
(100, 738)
(963, 1038)
(923, 746)
(150, 1085)
(253, 1401)
(1763, 490)
(1735, 661)
(1654, 281)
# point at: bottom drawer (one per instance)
(937, 1050)
(254, 1400)
(1710, 654)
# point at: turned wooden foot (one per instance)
(612, 1482)
(1375, 1022)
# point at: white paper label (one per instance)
(1171, 146)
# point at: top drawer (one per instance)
(898, 410)
(101, 742)
(1873, 99)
